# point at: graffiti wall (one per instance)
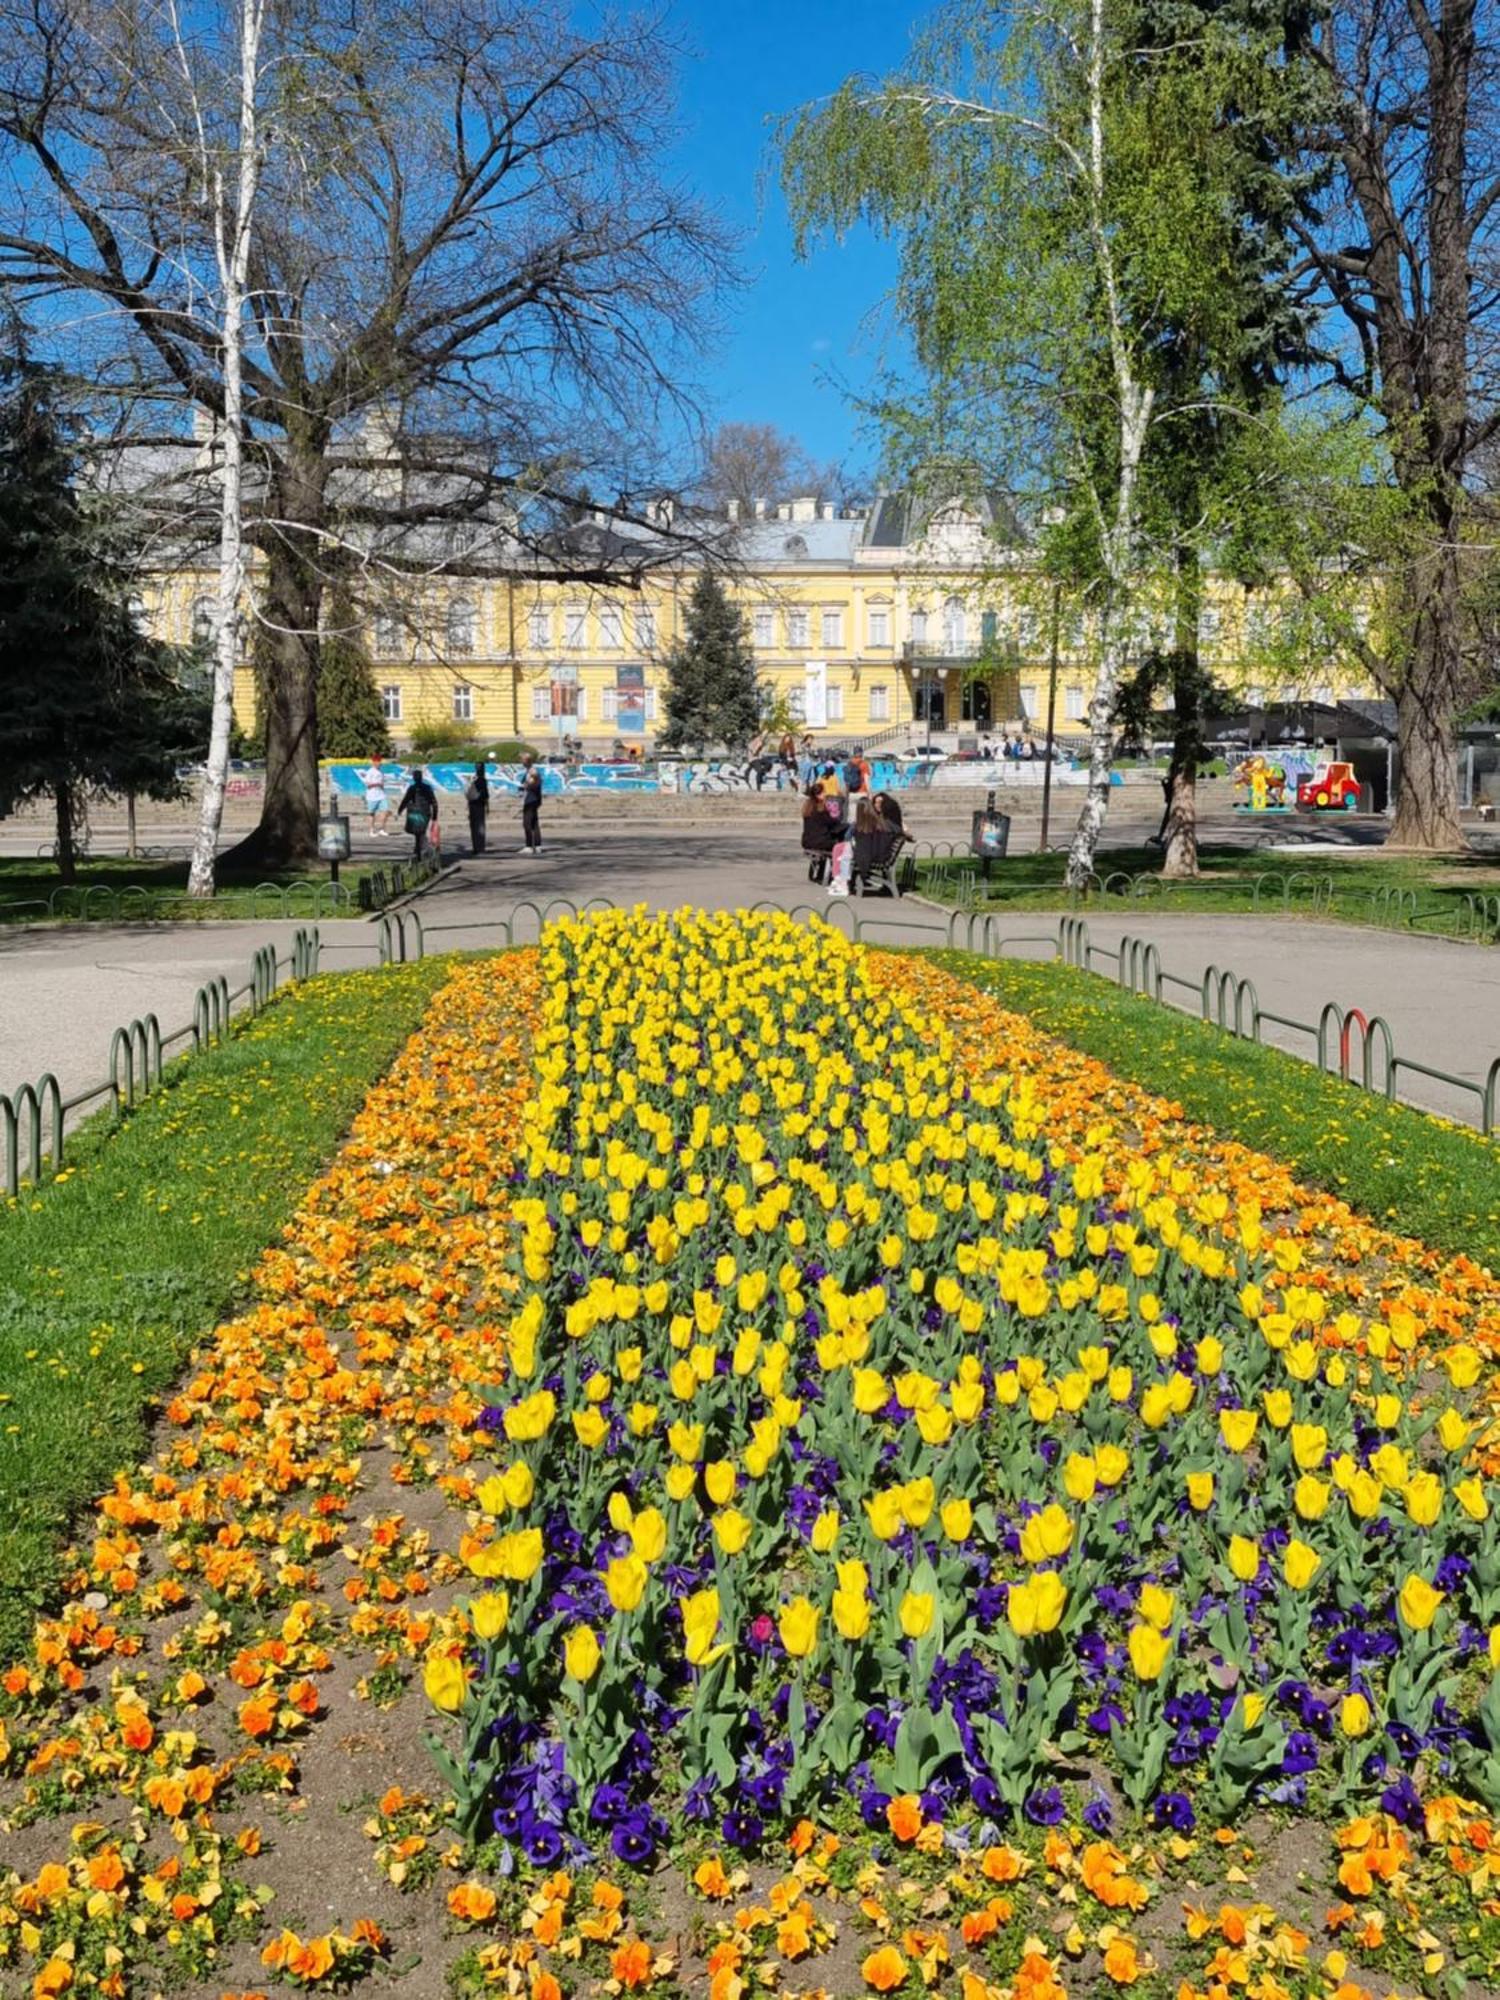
(709, 777)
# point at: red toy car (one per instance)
(1331, 788)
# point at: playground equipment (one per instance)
(1331, 788)
(1265, 786)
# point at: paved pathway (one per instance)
(63, 991)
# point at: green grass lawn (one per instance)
(1410, 1171)
(1394, 889)
(159, 889)
(109, 1274)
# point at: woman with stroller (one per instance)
(822, 825)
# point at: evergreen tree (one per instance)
(712, 693)
(351, 722)
(87, 701)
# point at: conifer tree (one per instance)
(712, 693)
(351, 722)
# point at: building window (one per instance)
(609, 704)
(388, 635)
(1027, 629)
(204, 620)
(645, 628)
(390, 703)
(462, 625)
(1208, 624)
(1324, 696)
(1073, 704)
(541, 701)
(955, 625)
(1028, 703)
(919, 627)
(463, 703)
(651, 704)
(764, 628)
(541, 631)
(1290, 693)
(575, 618)
(880, 625)
(581, 706)
(880, 704)
(612, 626)
(796, 704)
(835, 704)
(796, 628)
(833, 632)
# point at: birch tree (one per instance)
(1064, 202)
(231, 210)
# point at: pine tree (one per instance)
(87, 700)
(351, 722)
(712, 695)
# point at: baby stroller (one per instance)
(875, 858)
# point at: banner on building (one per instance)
(564, 691)
(630, 698)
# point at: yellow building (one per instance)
(861, 626)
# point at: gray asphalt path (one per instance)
(63, 991)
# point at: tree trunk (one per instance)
(67, 807)
(1180, 862)
(132, 845)
(1427, 701)
(234, 259)
(1101, 758)
(1180, 859)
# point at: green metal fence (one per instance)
(309, 900)
(33, 1118)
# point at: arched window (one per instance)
(388, 634)
(463, 624)
(918, 625)
(955, 625)
(205, 620)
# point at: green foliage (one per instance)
(87, 700)
(351, 722)
(109, 1278)
(1410, 1172)
(444, 742)
(510, 751)
(712, 694)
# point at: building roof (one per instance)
(770, 544)
(901, 520)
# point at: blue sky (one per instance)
(797, 331)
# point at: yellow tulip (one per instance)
(1309, 1446)
(492, 1496)
(825, 1530)
(591, 1428)
(884, 1512)
(1148, 1651)
(1047, 1534)
(1418, 1602)
(1364, 1496)
(1495, 1645)
(1255, 1708)
(1237, 1428)
(1300, 1564)
(1080, 1478)
(520, 1554)
(917, 1608)
(967, 1399)
(680, 1480)
(1387, 1411)
(581, 1653)
(1111, 1463)
(520, 1483)
(798, 1626)
(1453, 1431)
(957, 1517)
(625, 1582)
(719, 1480)
(1200, 1491)
(851, 1614)
(1354, 1715)
(1310, 1497)
(1470, 1495)
(648, 1534)
(732, 1530)
(918, 1497)
(1157, 1606)
(1244, 1558)
(1278, 1407)
(700, 1622)
(488, 1614)
(443, 1682)
(1424, 1498)
(1463, 1365)
(871, 1391)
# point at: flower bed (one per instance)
(862, 1438)
(1028, 1733)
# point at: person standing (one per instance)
(477, 798)
(377, 805)
(531, 805)
(418, 811)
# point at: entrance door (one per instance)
(815, 694)
(976, 703)
(931, 700)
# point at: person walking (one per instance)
(418, 812)
(531, 805)
(477, 798)
(377, 804)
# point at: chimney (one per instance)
(662, 511)
(760, 510)
(732, 509)
(828, 512)
(805, 508)
(784, 511)
(205, 424)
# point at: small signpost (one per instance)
(333, 837)
(989, 836)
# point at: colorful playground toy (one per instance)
(1264, 782)
(1331, 788)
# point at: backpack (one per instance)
(471, 790)
(854, 777)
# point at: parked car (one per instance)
(1331, 788)
(922, 754)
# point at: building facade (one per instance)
(867, 628)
